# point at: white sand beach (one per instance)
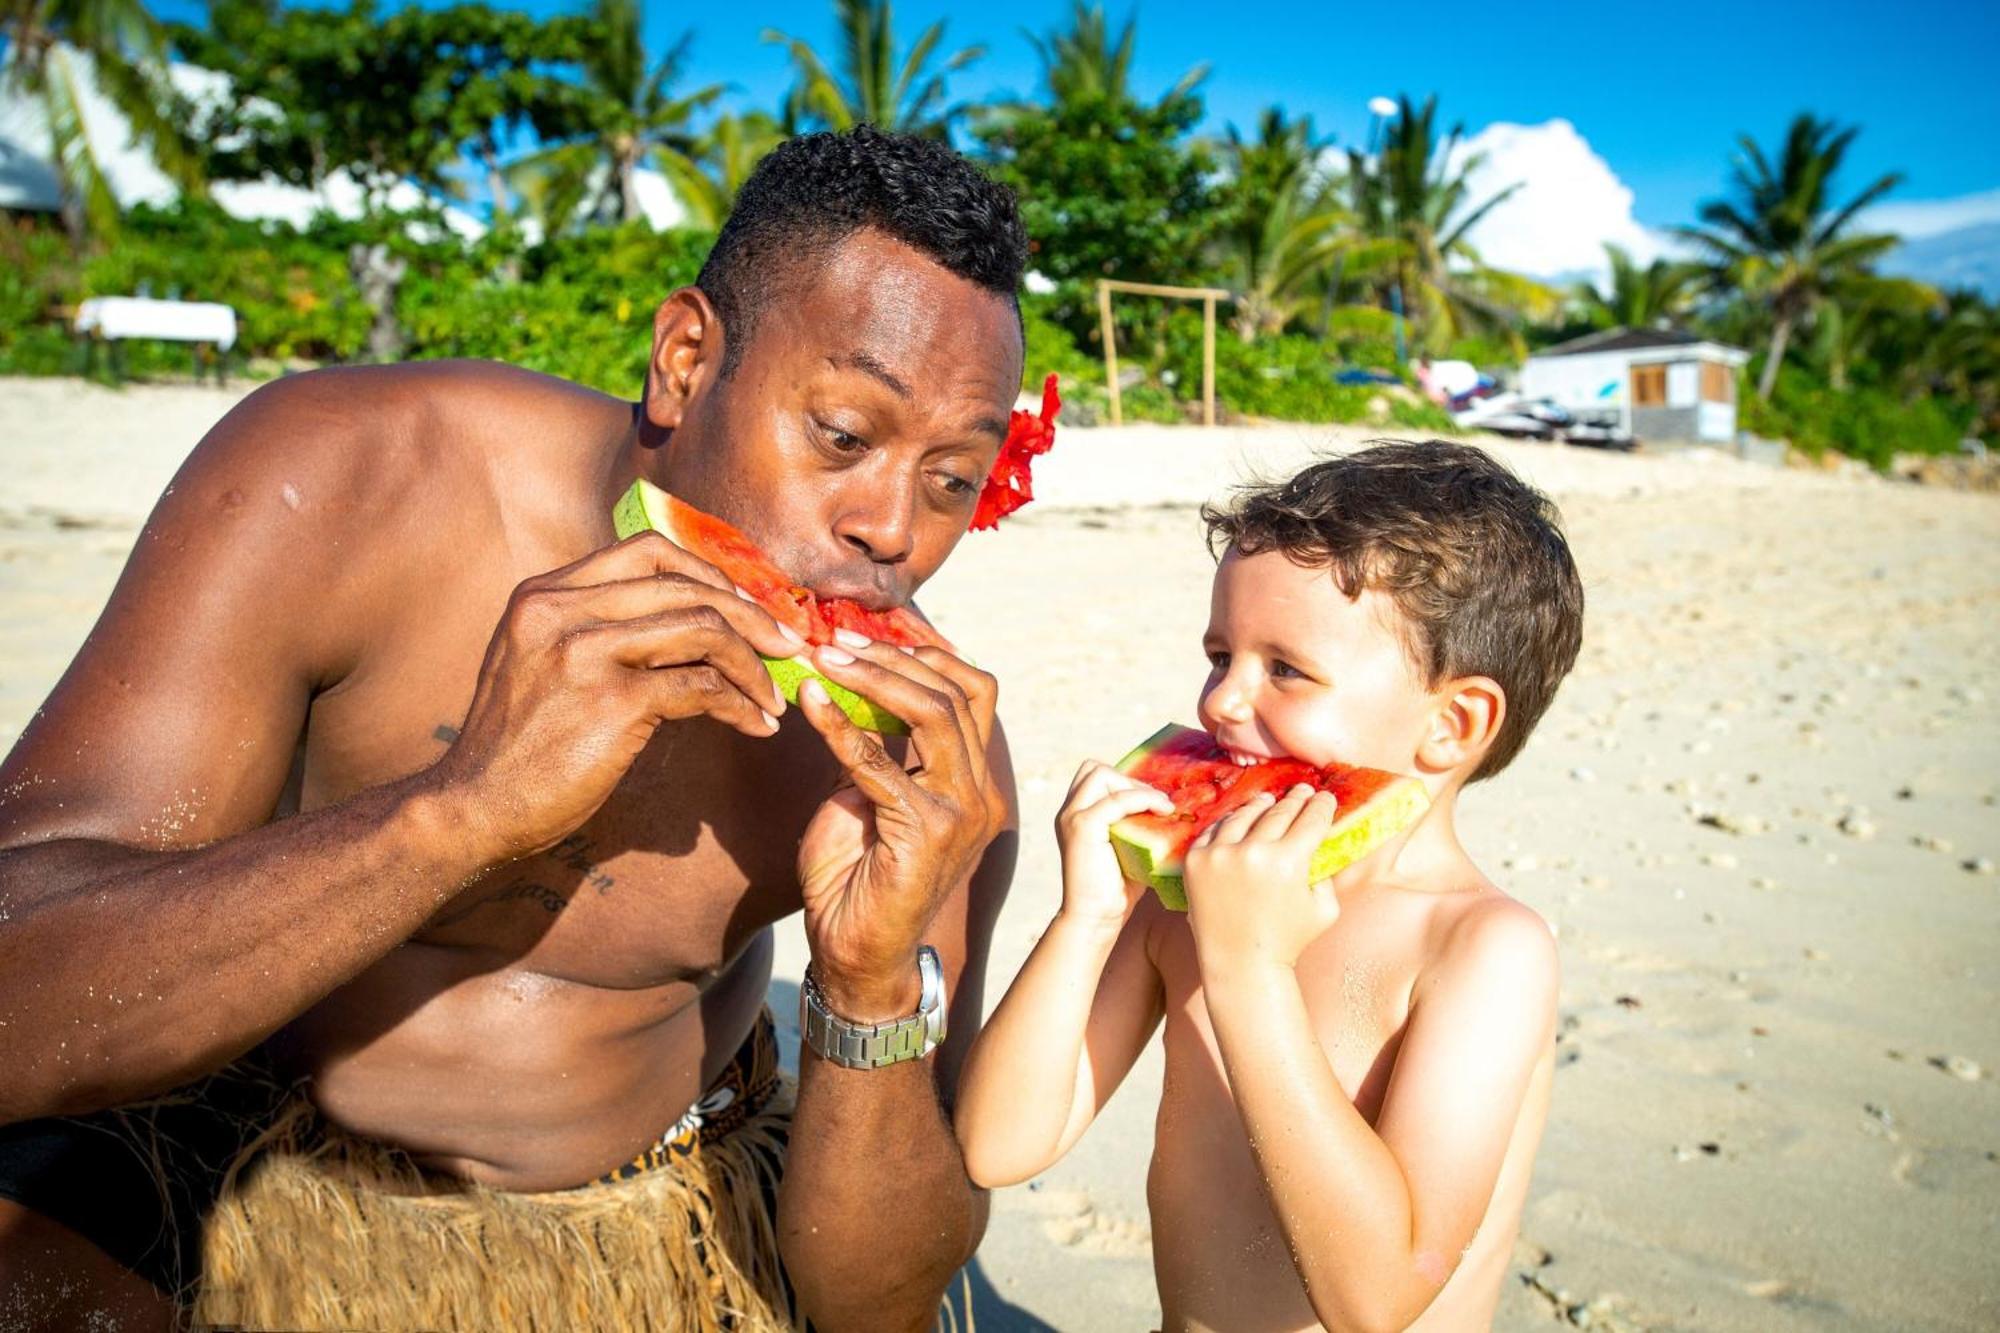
(1761, 817)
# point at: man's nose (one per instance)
(880, 521)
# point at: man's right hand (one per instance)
(586, 663)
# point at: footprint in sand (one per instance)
(1073, 1221)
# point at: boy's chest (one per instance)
(1356, 981)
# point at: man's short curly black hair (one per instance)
(814, 191)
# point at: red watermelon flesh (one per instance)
(727, 548)
(812, 617)
(1205, 784)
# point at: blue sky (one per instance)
(1658, 91)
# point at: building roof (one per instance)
(1623, 340)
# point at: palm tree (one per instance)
(1781, 242)
(1086, 61)
(1661, 292)
(1414, 196)
(706, 178)
(1861, 310)
(623, 116)
(58, 49)
(1285, 221)
(874, 87)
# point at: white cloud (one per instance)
(1915, 218)
(1569, 205)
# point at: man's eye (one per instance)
(955, 484)
(842, 440)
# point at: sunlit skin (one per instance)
(1367, 1059)
(1296, 673)
(854, 461)
(516, 913)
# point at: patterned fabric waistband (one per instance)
(740, 1091)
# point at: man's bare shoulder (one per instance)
(372, 424)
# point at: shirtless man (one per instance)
(504, 895)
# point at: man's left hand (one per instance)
(880, 856)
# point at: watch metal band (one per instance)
(874, 1045)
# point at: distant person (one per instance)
(1357, 1071)
(386, 888)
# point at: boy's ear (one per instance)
(1466, 722)
(687, 348)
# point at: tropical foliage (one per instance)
(620, 116)
(55, 51)
(1780, 241)
(1338, 257)
(870, 83)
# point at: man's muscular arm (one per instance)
(876, 1211)
(153, 924)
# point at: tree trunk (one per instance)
(1332, 294)
(1780, 335)
(378, 274)
(628, 187)
(496, 184)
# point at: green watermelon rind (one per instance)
(1144, 860)
(633, 514)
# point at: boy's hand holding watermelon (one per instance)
(1095, 889)
(1249, 902)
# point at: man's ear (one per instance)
(1465, 724)
(687, 349)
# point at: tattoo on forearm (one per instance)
(445, 733)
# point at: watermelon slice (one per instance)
(1205, 784)
(814, 618)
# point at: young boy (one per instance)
(1357, 1070)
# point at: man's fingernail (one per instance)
(792, 636)
(813, 690)
(770, 721)
(851, 639)
(829, 653)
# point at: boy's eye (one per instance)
(1218, 659)
(1285, 670)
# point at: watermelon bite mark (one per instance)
(1205, 784)
(811, 617)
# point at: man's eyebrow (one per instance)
(868, 364)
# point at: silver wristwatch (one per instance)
(873, 1045)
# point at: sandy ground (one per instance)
(1761, 817)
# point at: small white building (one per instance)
(1653, 384)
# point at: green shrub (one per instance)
(1049, 348)
(1862, 422)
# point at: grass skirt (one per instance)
(317, 1229)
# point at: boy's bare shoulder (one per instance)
(1483, 938)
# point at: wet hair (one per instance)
(1472, 558)
(813, 192)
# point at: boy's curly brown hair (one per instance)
(1472, 557)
